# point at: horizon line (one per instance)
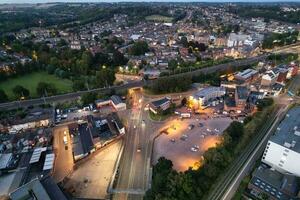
(154, 1)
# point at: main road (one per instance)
(134, 169)
(293, 48)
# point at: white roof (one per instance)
(49, 161)
(36, 154)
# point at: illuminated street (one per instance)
(134, 167)
(64, 158)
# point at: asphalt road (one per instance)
(63, 156)
(134, 168)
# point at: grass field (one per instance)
(159, 18)
(30, 82)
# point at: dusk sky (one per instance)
(45, 1)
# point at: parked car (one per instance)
(193, 149)
(191, 126)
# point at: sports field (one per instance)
(159, 18)
(30, 82)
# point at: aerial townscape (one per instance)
(149, 100)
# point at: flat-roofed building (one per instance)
(202, 97)
(272, 183)
(269, 78)
(161, 104)
(115, 101)
(283, 149)
(247, 75)
(241, 96)
(38, 189)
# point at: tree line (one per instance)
(195, 184)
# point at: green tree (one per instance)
(88, 98)
(105, 77)
(119, 59)
(184, 41)
(172, 64)
(139, 48)
(46, 89)
(79, 85)
(235, 130)
(20, 91)
(3, 96)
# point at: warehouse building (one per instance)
(283, 149)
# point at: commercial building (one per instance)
(283, 149)
(273, 184)
(269, 78)
(235, 40)
(241, 97)
(246, 76)
(115, 101)
(94, 133)
(161, 104)
(38, 189)
(202, 97)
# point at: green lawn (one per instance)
(159, 18)
(30, 82)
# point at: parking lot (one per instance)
(77, 114)
(185, 141)
(91, 179)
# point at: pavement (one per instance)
(64, 163)
(91, 178)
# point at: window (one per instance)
(286, 150)
(284, 154)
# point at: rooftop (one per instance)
(116, 99)
(247, 73)
(242, 92)
(4, 160)
(274, 183)
(39, 189)
(288, 131)
(208, 90)
(159, 102)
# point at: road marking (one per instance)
(128, 191)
